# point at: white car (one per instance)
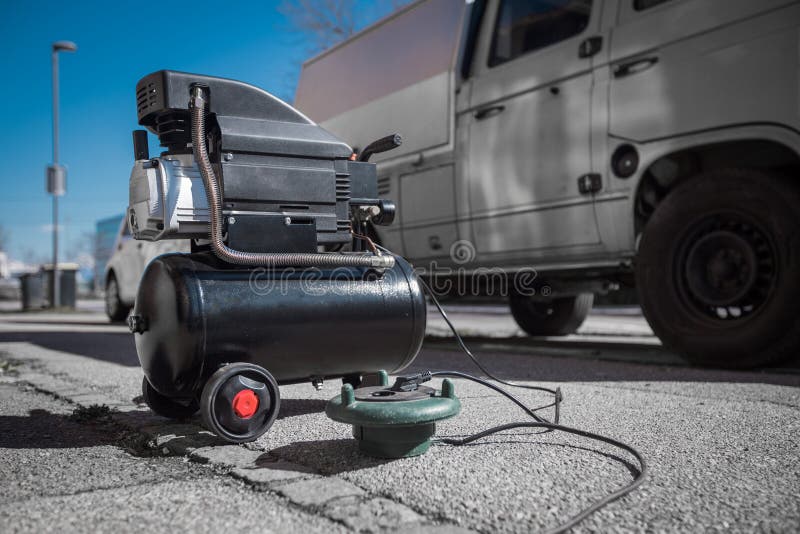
(125, 268)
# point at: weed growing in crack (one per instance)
(93, 413)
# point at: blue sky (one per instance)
(118, 43)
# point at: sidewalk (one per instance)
(718, 453)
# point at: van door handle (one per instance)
(635, 66)
(491, 111)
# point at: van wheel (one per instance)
(717, 266)
(551, 317)
(115, 309)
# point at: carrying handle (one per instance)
(384, 144)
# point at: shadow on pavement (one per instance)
(41, 429)
(112, 347)
(295, 407)
(598, 363)
(66, 322)
(512, 359)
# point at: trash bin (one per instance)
(33, 296)
(67, 283)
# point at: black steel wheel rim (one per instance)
(540, 309)
(726, 268)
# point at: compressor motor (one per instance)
(269, 200)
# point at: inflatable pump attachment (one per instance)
(394, 421)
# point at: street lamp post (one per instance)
(56, 174)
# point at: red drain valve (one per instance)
(245, 403)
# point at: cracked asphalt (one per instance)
(722, 446)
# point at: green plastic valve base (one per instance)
(389, 423)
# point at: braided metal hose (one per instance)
(197, 104)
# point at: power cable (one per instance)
(540, 422)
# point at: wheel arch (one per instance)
(669, 162)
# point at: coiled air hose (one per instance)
(197, 104)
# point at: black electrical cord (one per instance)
(540, 423)
(469, 353)
(529, 411)
(557, 395)
(574, 520)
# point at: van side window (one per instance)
(639, 5)
(526, 25)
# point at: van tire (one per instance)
(716, 270)
(115, 309)
(550, 317)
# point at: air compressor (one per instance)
(283, 284)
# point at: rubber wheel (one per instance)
(717, 269)
(240, 402)
(115, 309)
(550, 317)
(166, 407)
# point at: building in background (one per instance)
(106, 232)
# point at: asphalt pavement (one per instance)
(722, 446)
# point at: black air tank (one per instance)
(195, 314)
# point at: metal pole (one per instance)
(56, 296)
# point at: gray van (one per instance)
(599, 142)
